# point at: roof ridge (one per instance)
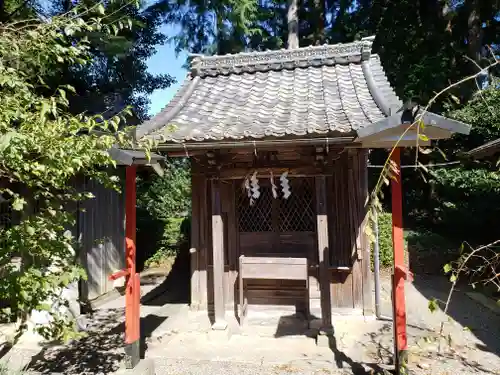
(326, 54)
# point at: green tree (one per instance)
(164, 205)
(44, 148)
(117, 75)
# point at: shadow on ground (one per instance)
(481, 321)
(102, 350)
(357, 368)
(176, 286)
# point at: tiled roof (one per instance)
(321, 90)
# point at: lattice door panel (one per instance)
(296, 214)
(255, 216)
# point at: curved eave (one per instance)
(133, 157)
(386, 132)
(171, 110)
(487, 150)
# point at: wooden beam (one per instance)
(239, 173)
(196, 196)
(218, 258)
(399, 276)
(365, 244)
(323, 254)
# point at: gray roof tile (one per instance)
(306, 91)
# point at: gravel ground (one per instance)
(193, 367)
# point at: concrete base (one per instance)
(220, 331)
(324, 338)
(144, 367)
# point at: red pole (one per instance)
(132, 293)
(400, 273)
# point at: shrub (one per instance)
(384, 240)
(163, 213)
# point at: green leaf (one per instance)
(447, 268)
(100, 9)
(62, 93)
(433, 305)
(455, 99)
(6, 139)
(18, 204)
(423, 137)
(453, 278)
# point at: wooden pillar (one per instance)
(218, 258)
(323, 254)
(196, 195)
(399, 276)
(365, 244)
(133, 285)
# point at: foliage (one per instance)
(422, 45)
(116, 75)
(163, 205)
(385, 240)
(43, 148)
(450, 196)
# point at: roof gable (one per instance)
(306, 91)
(321, 91)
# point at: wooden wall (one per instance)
(101, 231)
(347, 257)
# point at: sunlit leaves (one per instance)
(44, 150)
(447, 268)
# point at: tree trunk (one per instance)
(319, 13)
(293, 24)
(475, 34)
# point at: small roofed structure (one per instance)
(278, 142)
(486, 150)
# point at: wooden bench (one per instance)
(271, 268)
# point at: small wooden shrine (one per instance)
(279, 142)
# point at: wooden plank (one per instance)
(232, 242)
(274, 271)
(365, 243)
(323, 251)
(341, 289)
(293, 244)
(218, 257)
(204, 242)
(357, 280)
(274, 260)
(240, 173)
(232, 226)
(195, 241)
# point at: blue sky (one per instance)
(166, 61)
